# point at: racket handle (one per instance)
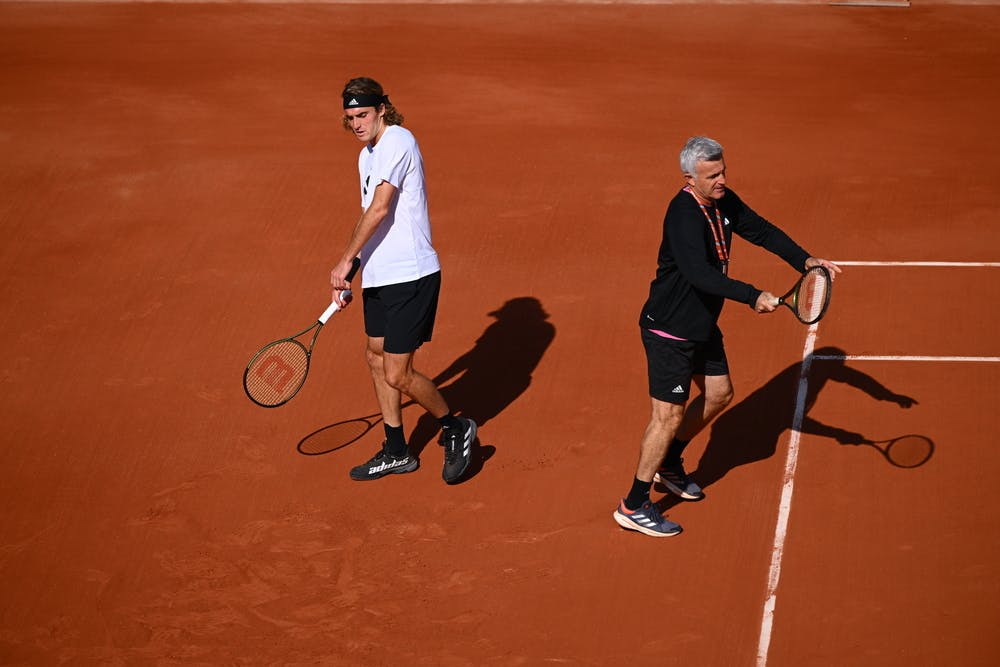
(345, 295)
(328, 313)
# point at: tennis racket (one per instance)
(279, 369)
(810, 297)
(906, 451)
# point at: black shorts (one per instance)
(672, 363)
(403, 314)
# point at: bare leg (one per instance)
(663, 425)
(716, 394)
(394, 376)
(389, 399)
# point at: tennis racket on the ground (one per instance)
(279, 369)
(810, 297)
(906, 451)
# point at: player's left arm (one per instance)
(761, 232)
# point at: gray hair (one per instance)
(699, 149)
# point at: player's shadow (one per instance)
(483, 381)
(749, 431)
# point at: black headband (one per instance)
(364, 100)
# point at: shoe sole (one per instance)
(468, 459)
(395, 471)
(676, 490)
(628, 524)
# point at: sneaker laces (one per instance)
(652, 511)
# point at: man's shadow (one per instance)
(749, 431)
(493, 374)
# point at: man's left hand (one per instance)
(830, 266)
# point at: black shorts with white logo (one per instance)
(403, 314)
(672, 363)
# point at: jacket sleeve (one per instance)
(686, 234)
(755, 229)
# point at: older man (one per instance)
(679, 324)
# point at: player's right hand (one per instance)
(766, 303)
(341, 286)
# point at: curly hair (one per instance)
(364, 86)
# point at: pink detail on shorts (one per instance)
(664, 334)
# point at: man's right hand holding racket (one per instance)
(768, 303)
(340, 281)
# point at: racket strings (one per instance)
(812, 296)
(277, 372)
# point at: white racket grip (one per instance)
(328, 313)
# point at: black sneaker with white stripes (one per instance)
(457, 443)
(383, 464)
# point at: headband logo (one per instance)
(356, 100)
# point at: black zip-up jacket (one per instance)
(687, 295)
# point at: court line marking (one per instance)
(785, 505)
(894, 357)
(955, 264)
(792, 458)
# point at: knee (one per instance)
(666, 416)
(398, 379)
(374, 359)
(721, 398)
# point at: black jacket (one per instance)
(686, 297)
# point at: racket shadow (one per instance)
(337, 436)
(906, 451)
(750, 430)
(480, 384)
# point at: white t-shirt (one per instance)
(400, 250)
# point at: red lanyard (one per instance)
(718, 232)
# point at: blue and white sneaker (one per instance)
(457, 443)
(677, 482)
(647, 520)
(383, 464)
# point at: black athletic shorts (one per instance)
(403, 314)
(672, 363)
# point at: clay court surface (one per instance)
(175, 186)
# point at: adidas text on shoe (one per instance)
(457, 443)
(383, 464)
(678, 483)
(647, 520)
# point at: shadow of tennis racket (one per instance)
(337, 436)
(906, 451)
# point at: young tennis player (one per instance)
(679, 324)
(401, 276)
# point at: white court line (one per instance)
(955, 264)
(785, 506)
(892, 357)
(792, 459)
